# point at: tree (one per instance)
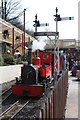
(11, 9)
(11, 12)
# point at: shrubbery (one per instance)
(1, 61)
(24, 58)
(9, 60)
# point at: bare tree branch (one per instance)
(13, 9)
(13, 14)
(16, 17)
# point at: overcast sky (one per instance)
(45, 9)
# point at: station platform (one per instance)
(72, 103)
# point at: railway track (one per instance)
(14, 109)
(6, 94)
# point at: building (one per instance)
(62, 43)
(12, 38)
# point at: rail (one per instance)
(5, 94)
(13, 110)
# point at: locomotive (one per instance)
(35, 76)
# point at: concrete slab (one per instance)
(79, 100)
(8, 73)
(72, 105)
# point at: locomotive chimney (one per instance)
(29, 52)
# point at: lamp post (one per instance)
(24, 33)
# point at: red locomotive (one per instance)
(35, 76)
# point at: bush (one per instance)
(24, 59)
(9, 60)
(1, 61)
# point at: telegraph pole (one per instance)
(24, 33)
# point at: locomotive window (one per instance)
(45, 56)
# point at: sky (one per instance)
(45, 9)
